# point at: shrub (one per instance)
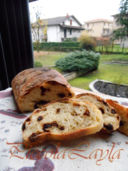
(73, 39)
(37, 64)
(57, 46)
(80, 61)
(87, 42)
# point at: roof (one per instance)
(98, 21)
(59, 20)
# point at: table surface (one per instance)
(96, 152)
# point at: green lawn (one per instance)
(116, 48)
(120, 57)
(116, 73)
(48, 57)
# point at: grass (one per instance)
(116, 73)
(115, 57)
(116, 48)
(48, 57)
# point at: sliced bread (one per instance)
(61, 120)
(123, 112)
(110, 116)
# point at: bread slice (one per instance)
(123, 112)
(61, 120)
(110, 116)
(37, 86)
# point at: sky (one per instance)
(83, 10)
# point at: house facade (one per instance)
(99, 27)
(60, 28)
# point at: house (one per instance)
(60, 28)
(99, 27)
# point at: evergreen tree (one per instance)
(122, 21)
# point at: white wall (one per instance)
(53, 34)
(74, 23)
(124, 43)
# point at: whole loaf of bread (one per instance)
(35, 87)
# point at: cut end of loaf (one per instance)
(37, 86)
(110, 116)
(41, 95)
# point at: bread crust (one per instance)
(123, 112)
(43, 137)
(31, 78)
(90, 94)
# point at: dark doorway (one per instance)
(65, 33)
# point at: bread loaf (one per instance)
(110, 116)
(38, 86)
(61, 120)
(123, 112)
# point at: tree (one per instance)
(86, 41)
(122, 20)
(38, 27)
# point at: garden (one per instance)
(112, 67)
(90, 57)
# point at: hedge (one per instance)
(57, 46)
(79, 61)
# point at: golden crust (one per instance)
(90, 94)
(34, 77)
(28, 79)
(41, 138)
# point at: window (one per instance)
(70, 31)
